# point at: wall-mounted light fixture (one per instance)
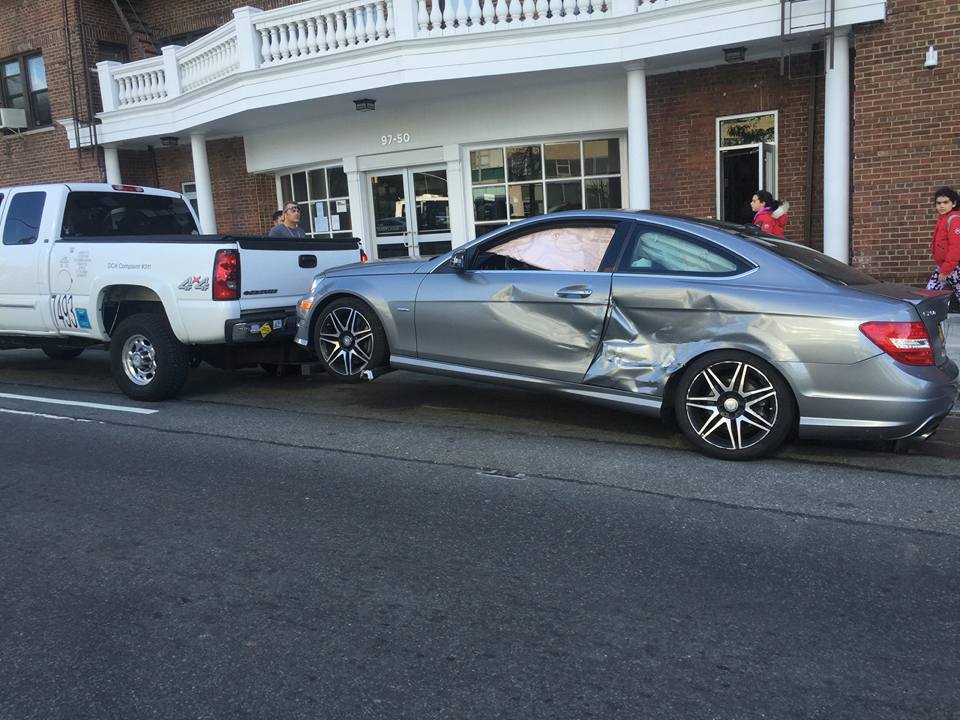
(932, 59)
(169, 141)
(734, 54)
(365, 104)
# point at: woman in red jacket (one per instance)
(945, 247)
(770, 215)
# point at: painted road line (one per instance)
(47, 416)
(77, 403)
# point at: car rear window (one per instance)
(816, 262)
(92, 213)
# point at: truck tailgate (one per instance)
(276, 272)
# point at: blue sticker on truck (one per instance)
(82, 319)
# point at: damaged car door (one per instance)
(530, 301)
(672, 294)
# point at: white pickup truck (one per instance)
(126, 266)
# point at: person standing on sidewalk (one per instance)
(290, 226)
(770, 215)
(945, 246)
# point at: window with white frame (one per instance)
(189, 192)
(746, 162)
(514, 182)
(322, 195)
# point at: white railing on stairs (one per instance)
(140, 83)
(466, 16)
(208, 59)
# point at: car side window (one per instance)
(23, 218)
(660, 252)
(574, 248)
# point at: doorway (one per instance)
(411, 212)
(743, 171)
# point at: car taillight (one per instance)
(906, 342)
(363, 256)
(226, 275)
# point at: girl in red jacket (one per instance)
(770, 215)
(945, 247)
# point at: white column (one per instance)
(171, 71)
(455, 195)
(201, 176)
(836, 150)
(248, 39)
(111, 162)
(404, 18)
(108, 88)
(638, 144)
(358, 213)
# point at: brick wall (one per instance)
(906, 135)
(683, 111)
(166, 19)
(31, 26)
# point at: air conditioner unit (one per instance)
(13, 119)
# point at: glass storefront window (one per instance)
(524, 163)
(486, 166)
(510, 183)
(323, 197)
(562, 160)
(490, 203)
(526, 201)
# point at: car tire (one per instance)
(61, 352)
(146, 359)
(734, 406)
(349, 339)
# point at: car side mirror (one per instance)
(458, 262)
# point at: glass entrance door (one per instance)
(411, 212)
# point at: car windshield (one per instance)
(120, 213)
(816, 262)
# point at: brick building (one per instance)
(487, 113)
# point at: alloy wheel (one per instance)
(346, 341)
(732, 405)
(139, 360)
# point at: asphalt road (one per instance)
(423, 548)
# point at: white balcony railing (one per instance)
(316, 28)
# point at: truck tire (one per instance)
(59, 352)
(146, 359)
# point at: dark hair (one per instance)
(277, 215)
(948, 193)
(769, 202)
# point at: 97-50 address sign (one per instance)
(400, 138)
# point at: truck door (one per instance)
(22, 286)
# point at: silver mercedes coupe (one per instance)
(742, 338)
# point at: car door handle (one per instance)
(574, 291)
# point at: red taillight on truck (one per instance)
(226, 275)
(906, 342)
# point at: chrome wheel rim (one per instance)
(732, 405)
(345, 340)
(139, 360)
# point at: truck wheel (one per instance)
(349, 339)
(62, 353)
(146, 359)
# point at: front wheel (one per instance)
(146, 359)
(734, 406)
(349, 339)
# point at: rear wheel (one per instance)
(60, 352)
(146, 359)
(733, 405)
(349, 339)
